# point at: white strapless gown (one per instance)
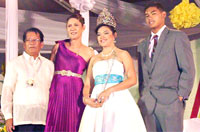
(119, 113)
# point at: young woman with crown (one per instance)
(110, 106)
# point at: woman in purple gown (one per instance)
(65, 100)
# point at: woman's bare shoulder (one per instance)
(122, 53)
(55, 47)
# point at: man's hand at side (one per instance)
(9, 125)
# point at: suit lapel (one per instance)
(159, 47)
(147, 60)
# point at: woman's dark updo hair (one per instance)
(77, 16)
(110, 27)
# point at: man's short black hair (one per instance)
(154, 4)
(35, 30)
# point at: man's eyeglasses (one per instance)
(33, 40)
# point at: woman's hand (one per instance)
(103, 96)
(91, 102)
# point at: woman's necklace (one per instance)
(106, 55)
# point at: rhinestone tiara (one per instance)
(105, 17)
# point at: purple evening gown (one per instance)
(65, 106)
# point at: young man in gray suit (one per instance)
(167, 73)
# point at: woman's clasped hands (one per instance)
(97, 102)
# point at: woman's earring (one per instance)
(115, 41)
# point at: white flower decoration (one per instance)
(82, 5)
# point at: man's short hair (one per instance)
(154, 4)
(35, 30)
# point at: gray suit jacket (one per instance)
(171, 73)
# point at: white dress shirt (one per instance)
(152, 41)
(24, 103)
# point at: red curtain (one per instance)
(196, 105)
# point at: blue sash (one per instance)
(113, 78)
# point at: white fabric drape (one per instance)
(192, 125)
(82, 5)
(85, 35)
(11, 29)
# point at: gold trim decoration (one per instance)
(67, 73)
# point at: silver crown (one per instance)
(105, 17)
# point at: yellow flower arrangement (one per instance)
(185, 15)
(3, 69)
(2, 123)
(3, 129)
